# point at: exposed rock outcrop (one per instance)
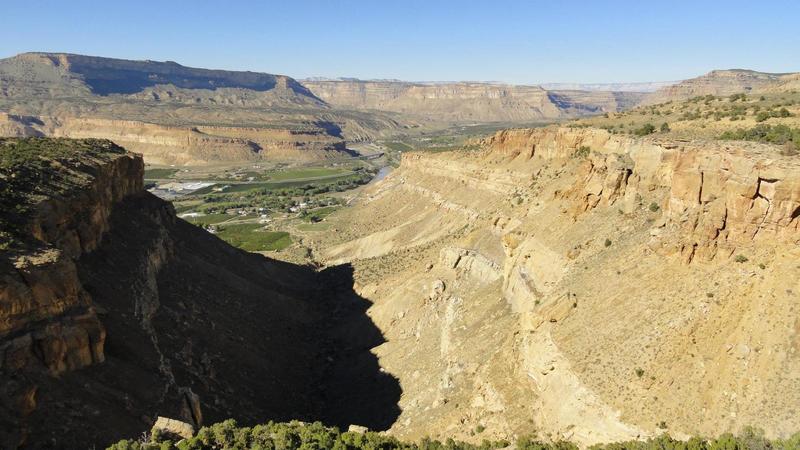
(720, 194)
(724, 197)
(173, 429)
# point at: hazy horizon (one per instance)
(506, 42)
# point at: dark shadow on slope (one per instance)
(331, 128)
(189, 317)
(106, 76)
(356, 390)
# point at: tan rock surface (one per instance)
(469, 102)
(572, 306)
(173, 429)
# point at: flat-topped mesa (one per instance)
(469, 101)
(173, 114)
(107, 76)
(718, 196)
(441, 101)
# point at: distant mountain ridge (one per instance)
(645, 86)
(466, 101)
(172, 113)
(176, 114)
(105, 76)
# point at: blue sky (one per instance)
(511, 41)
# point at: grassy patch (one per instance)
(319, 226)
(316, 215)
(155, 174)
(398, 146)
(209, 219)
(253, 238)
(268, 185)
(778, 134)
(311, 172)
(186, 206)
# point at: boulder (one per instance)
(172, 428)
(357, 429)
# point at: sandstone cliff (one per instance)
(585, 285)
(468, 102)
(724, 82)
(162, 144)
(113, 312)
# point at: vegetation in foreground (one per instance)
(706, 116)
(301, 436)
(778, 135)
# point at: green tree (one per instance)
(645, 129)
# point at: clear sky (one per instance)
(497, 40)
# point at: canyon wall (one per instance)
(113, 311)
(583, 285)
(469, 102)
(47, 318)
(447, 102)
(162, 144)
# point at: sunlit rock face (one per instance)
(583, 284)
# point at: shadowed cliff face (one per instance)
(252, 338)
(106, 76)
(170, 320)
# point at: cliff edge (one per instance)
(113, 311)
(591, 286)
